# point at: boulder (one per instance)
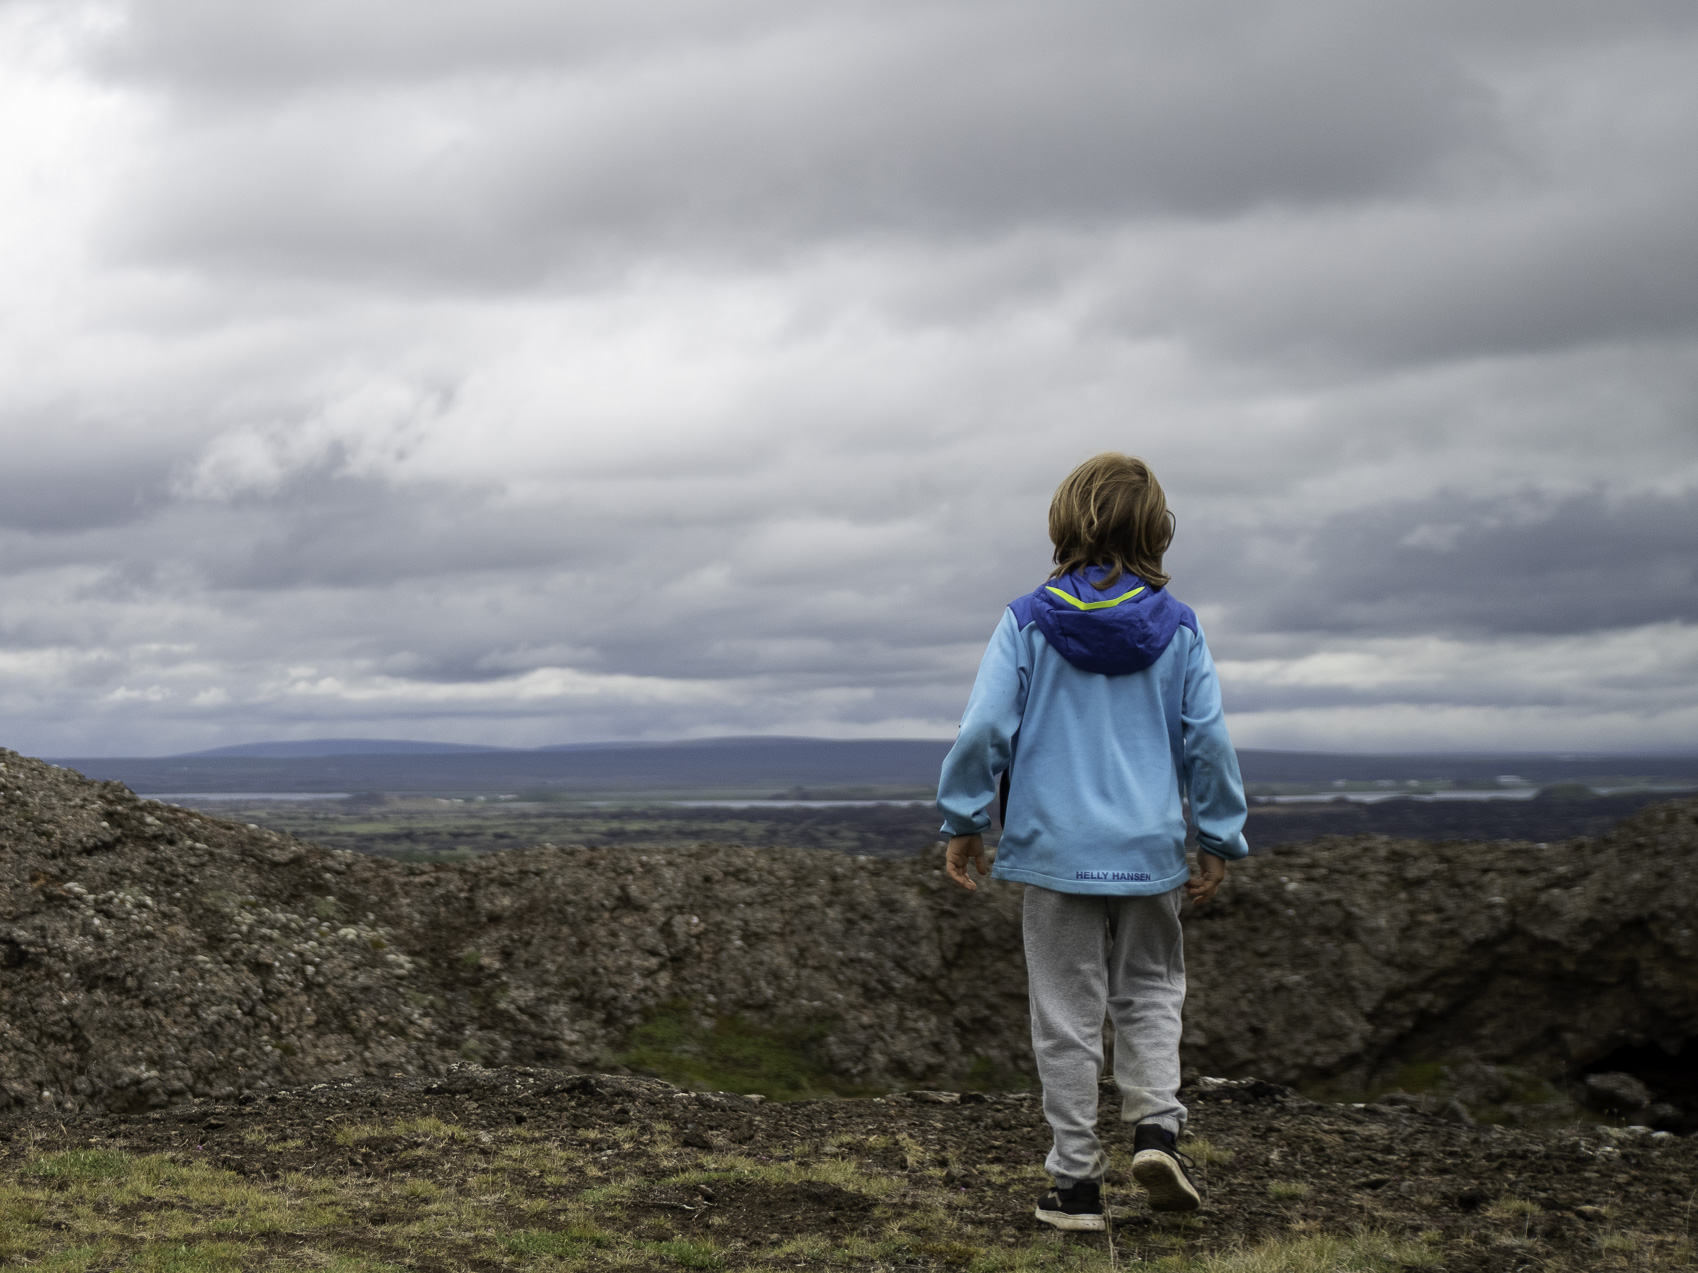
(1616, 1093)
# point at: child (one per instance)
(1098, 706)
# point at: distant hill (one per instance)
(753, 766)
(1535, 767)
(312, 748)
(728, 740)
(749, 765)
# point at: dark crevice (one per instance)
(1670, 1077)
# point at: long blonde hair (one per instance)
(1110, 511)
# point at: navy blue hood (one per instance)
(1123, 629)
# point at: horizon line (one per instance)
(472, 749)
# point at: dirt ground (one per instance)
(535, 1169)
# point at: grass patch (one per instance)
(731, 1054)
(427, 857)
(1418, 1076)
(956, 1253)
(1320, 1254)
(1206, 1152)
(209, 1257)
(70, 1211)
(1508, 1208)
(78, 1259)
(81, 1164)
(987, 1074)
(576, 1240)
(1362, 1253)
(690, 1255)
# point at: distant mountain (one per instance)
(1535, 767)
(728, 740)
(761, 765)
(312, 748)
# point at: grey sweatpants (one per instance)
(1087, 953)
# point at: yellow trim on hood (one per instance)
(1071, 600)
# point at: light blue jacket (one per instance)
(1103, 708)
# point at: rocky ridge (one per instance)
(150, 954)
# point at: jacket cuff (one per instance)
(975, 826)
(1233, 850)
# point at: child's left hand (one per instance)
(962, 848)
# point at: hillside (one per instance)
(150, 954)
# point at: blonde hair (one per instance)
(1110, 511)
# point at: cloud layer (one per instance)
(525, 373)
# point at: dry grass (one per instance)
(84, 1210)
(516, 1199)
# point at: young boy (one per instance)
(1098, 706)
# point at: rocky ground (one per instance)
(222, 1049)
(1347, 961)
(150, 954)
(524, 1169)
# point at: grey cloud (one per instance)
(939, 122)
(62, 475)
(1315, 183)
(1522, 276)
(450, 576)
(1525, 562)
(1464, 685)
(320, 531)
(215, 48)
(211, 48)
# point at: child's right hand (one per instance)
(1211, 873)
(961, 849)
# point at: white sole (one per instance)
(1066, 1220)
(1164, 1182)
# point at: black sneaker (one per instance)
(1158, 1165)
(1078, 1207)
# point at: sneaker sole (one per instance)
(1086, 1223)
(1165, 1182)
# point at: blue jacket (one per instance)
(1103, 707)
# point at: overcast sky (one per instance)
(507, 371)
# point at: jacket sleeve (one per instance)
(1211, 765)
(985, 744)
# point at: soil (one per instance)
(651, 1176)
